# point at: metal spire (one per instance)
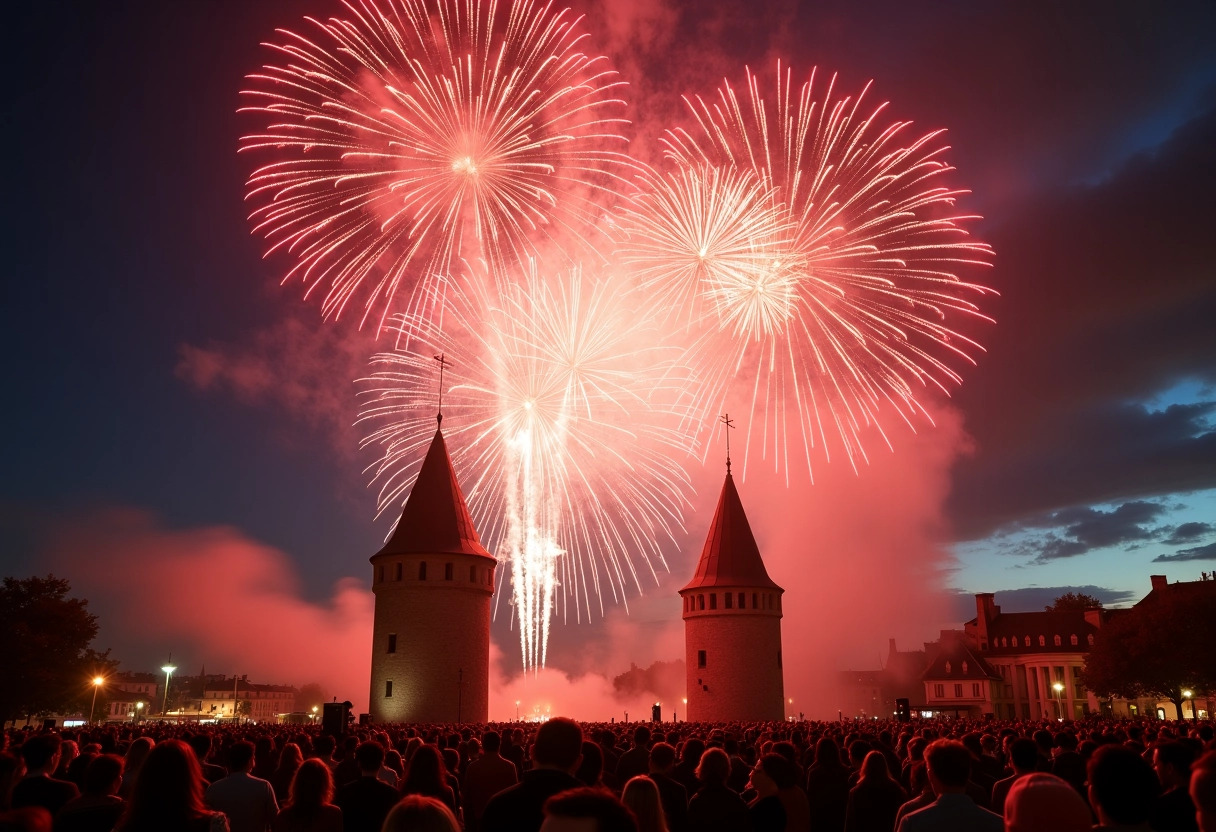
(443, 362)
(726, 420)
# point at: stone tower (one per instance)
(732, 624)
(432, 581)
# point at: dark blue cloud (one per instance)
(1198, 553)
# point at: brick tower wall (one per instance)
(440, 668)
(742, 678)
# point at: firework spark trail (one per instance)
(567, 436)
(415, 132)
(816, 257)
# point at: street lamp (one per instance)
(168, 670)
(314, 713)
(517, 710)
(1186, 694)
(139, 711)
(98, 681)
(1058, 687)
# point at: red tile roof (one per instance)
(730, 556)
(435, 519)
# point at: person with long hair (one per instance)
(766, 810)
(168, 796)
(426, 776)
(310, 805)
(876, 798)
(417, 813)
(137, 752)
(715, 806)
(641, 795)
(281, 778)
(827, 787)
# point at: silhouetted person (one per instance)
(169, 794)
(766, 811)
(1024, 759)
(99, 807)
(310, 805)
(586, 810)
(485, 777)
(1203, 791)
(672, 793)
(827, 787)
(1122, 788)
(685, 771)
(248, 801)
(427, 776)
(1039, 802)
(636, 760)
(201, 745)
(876, 798)
(366, 800)
(641, 797)
(555, 757)
(39, 787)
(416, 813)
(1174, 810)
(948, 766)
(716, 807)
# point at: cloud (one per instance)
(1189, 533)
(1083, 529)
(1198, 553)
(1036, 598)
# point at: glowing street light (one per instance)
(139, 711)
(1059, 689)
(314, 713)
(1187, 694)
(98, 681)
(517, 710)
(168, 670)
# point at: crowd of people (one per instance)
(847, 776)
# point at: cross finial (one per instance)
(726, 420)
(443, 362)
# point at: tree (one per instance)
(44, 650)
(310, 696)
(1078, 601)
(1158, 648)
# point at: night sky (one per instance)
(180, 440)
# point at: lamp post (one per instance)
(790, 701)
(168, 670)
(1059, 689)
(139, 710)
(685, 701)
(314, 714)
(1186, 694)
(98, 681)
(517, 710)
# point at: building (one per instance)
(238, 697)
(732, 624)
(433, 581)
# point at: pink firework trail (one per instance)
(413, 132)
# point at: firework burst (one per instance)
(563, 430)
(413, 132)
(815, 255)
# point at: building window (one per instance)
(398, 571)
(700, 602)
(1004, 641)
(958, 691)
(392, 642)
(742, 600)
(975, 689)
(778, 659)
(1057, 640)
(380, 573)
(422, 571)
(449, 571)
(964, 668)
(1042, 641)
(939, 691)
(388, 688)
(729, 599)
(1026, 641)
(713, 600)
(472, 574)
(1090, 639)
(1072, 639)
(755, 600)
(700, 658)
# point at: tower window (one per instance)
(380, 573)
(422, 571)
(472, 574)
(448, 571)
(713, 600)
(700, 602)
(755, 600)
(388, 689)
(700, 658)
(778, 659)
(729, 600)
(398, 571)
(742, 599)
(392, 642)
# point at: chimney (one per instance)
(985, 611)
(1159, 582)
(1093, 617)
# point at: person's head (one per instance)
(714, 768)
(200, 744)
(416, 813)
(1203, 791)
(1043, 801)
(312, 785)
(918, 778)
(641, 796)
(641, 736)
(491, 741)
(290, 757)
(169, 789)
(559, 744)
(41, 752)
(369, 756)
(103, 776)
(773, 772)
(874, 767)
(591, 767)
(662, 757)
(693, 749)
(1023, 755)
(324, 746)
(827, 753)
(425, 773)
(587, 810)
(240, 756)
(1122, 786)
(949, 766)
(1172, 762)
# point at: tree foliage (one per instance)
(311, 695)
(1073, 601)
(1158, 648)
(44, 648)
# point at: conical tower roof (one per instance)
(731, 556)
(435, 519)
